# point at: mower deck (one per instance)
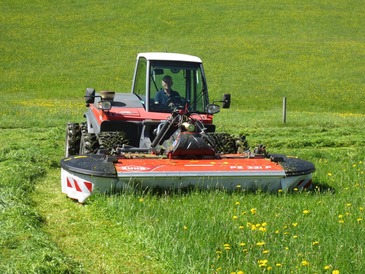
(83, 174)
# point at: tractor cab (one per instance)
(168, 81)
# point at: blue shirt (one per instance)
(162, 97)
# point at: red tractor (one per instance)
(132, 121)
(161, 135)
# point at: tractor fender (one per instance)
(92, 123)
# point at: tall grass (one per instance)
(311, 52)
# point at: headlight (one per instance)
(213, 108)
(105, 105)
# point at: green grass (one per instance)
(311, 52)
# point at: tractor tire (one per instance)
(89, 143)
(73, 136)
(224, 143)
(110, 140)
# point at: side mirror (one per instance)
(89, 96)
(226, 101)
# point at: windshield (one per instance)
(177, 85)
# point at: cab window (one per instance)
(139, 87)
(187, 84)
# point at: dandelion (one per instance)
(140, 200)
(260, 243)
(237, 203)
(294, 224)
(253, 210)
(336, 271)
(263, 263)
(265, 252)
(185, 227)
(315, 243)
(341, 221)
(305, 263)
(280, 190)
(240, 272)
(227, 247)
(306, 211)
(278, 265)
(295, 236)
(327, 267)
(295, 189)
(329, 174)
(238, 186)
(348, 205)
(241, 227)
(359, 220)
(235, 217)
(242, 244)
(263, 229)
(361, 208)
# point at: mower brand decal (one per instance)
(82, 186)
(134, 168)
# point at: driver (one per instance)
(166, 96)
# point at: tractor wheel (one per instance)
(73, 136)
(89, 143)
(110, 140)
(224, 143)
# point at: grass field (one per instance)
(312, 52)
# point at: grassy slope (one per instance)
(310, 52)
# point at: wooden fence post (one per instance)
(284, 110)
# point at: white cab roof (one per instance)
(164, 56)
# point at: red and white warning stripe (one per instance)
(75, 187)
(80, 186)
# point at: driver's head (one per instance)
(167, 82)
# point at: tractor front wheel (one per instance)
(73, 135)
(89, 143)
(224, 143)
